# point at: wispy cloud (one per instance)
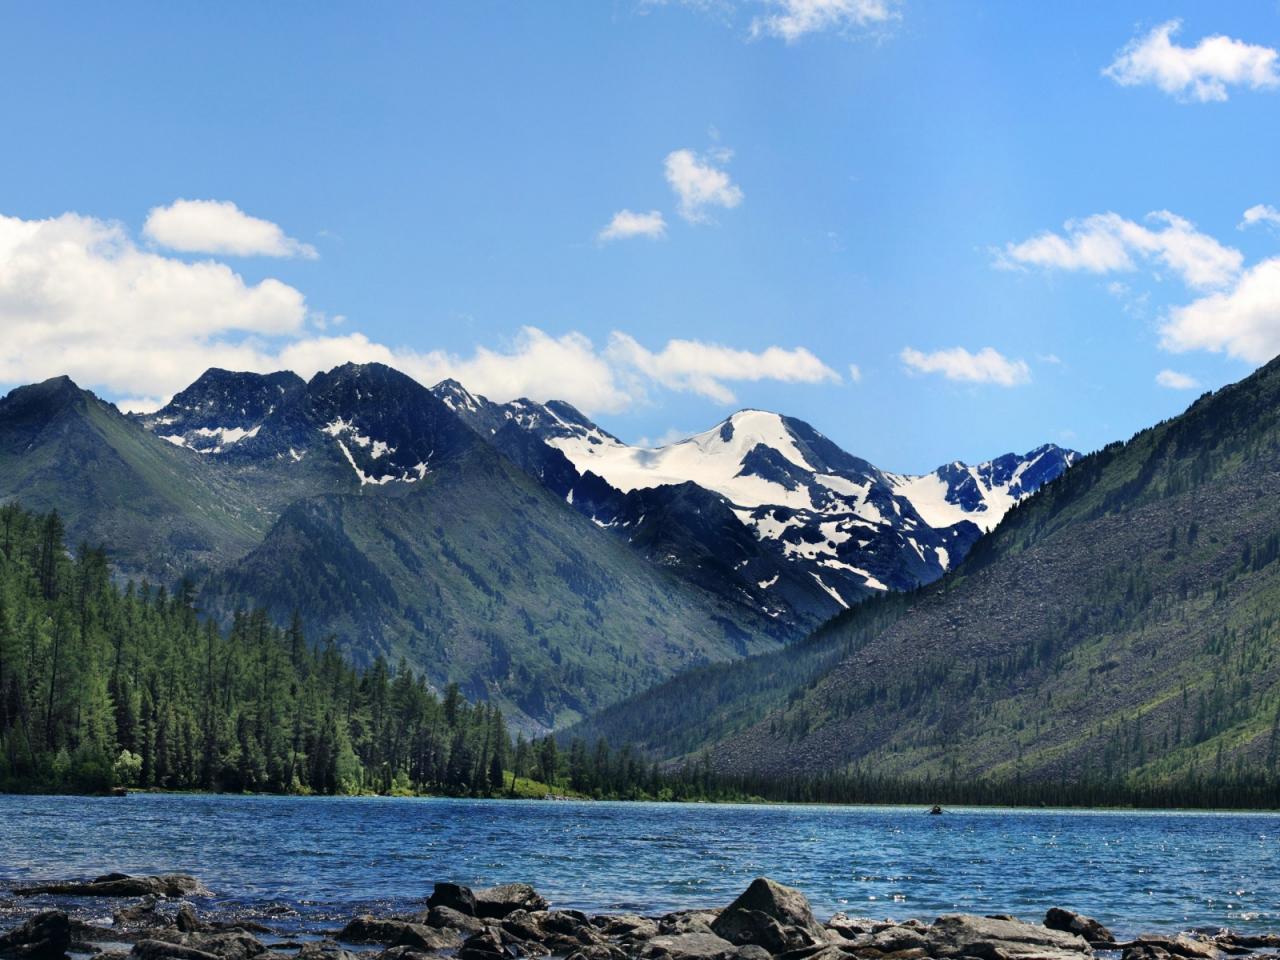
(988, 365)
(792, 19)
(1201, 73)
(1108, 243)
(220, 227)
(627, 223)
(1176, 381)
(699, 184)
(1260, 213)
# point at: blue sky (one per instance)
(860, 180)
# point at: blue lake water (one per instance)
(330, 858)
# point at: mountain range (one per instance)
(1121, 624)
(516, 549)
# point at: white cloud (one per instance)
(1176, 381)
(1243, 322)
(78, 296)
(793, 19)
(220, 227)
(1260, 213)
(986, 366)
(1108, 243)
(707, 368)
(1202, 72)
(627, 223)
(855, 373)
(699, 184)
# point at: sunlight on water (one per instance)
(1134, 871)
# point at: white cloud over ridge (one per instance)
(988, 365)
(627, 224)
(220, 227)
(1109, 243)
(699, 184)
(1201, 73)
(78, 296)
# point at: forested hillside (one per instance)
(1121, 626)
(101, 685)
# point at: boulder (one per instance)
(962, 935)
(398, 933)
(688, 921)
(497, 902)
(486, 946)
(743, 927)
(1082, 926)
(123, 885)
(751, 951)
(46, 936)
(324, 950)
(447, 918)
(144, 911)
(788, 906)
(164, 950)
(188, 920)
(688, 946)
(1179, 946)
(627, 926)
(453, 896)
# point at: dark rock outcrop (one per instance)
(46, 936)
(454, 896)
(769, 915)
(123, 885)
(497, 902)
(1071, 922)
(398, 933)
(987, 938)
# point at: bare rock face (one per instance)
(46, 936)
(123, 885)
(962, 935)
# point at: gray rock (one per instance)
(788, 906)
(454, 896)
(742, 927)
(499, 901)
(144, 911)
(688, 946)
(324, 950)
(449, 918)
(46, 936)
(962, 935)
(188, 920)
(601, 951)
(751, 951)
(627, 926)
(1072, 922)
(123, 885)
(688, 921)
(1179, 946)
(398, 933)
(164, 950)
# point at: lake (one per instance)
(329, 858)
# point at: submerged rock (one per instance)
(123, 885)
(46, 936)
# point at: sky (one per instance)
(932, 230)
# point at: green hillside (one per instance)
(1119, 625)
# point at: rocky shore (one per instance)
(154, 918)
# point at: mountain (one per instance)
(1120, 624)
(361, 501)
(155, 506)
(765, 508)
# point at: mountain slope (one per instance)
(816, 529)
(154, 506)
(1122, 623)
(479, 575)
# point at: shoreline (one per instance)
(745, 802)
(176, 917)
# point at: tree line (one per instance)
(103, 686)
